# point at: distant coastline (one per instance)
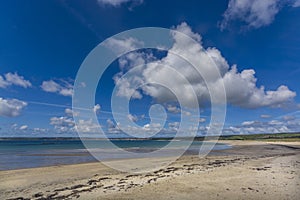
(268, 136)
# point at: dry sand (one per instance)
(249, 170)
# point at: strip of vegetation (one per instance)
(269, 137)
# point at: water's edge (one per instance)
(31, 153)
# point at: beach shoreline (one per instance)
(250, 169)
(32, 153)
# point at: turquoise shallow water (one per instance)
(29, 153)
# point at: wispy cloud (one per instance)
(296, 3)
(265, 116)
(117, 3)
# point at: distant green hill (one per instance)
(266, 137)
(269, 137)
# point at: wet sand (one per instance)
(249, 170)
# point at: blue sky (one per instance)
(43, 44)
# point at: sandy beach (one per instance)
(249, 170)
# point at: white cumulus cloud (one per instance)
(173, 109)
(112, 127)
(254, 13)
(64, 88)
(97, 109)
(121, 46)
(23, 127)
(87, 126)
(66, 124)
(241, 86)
(14, 79)
(11, 107)
(132, 118)
(283, 124)
(70, 113)
(202, 120)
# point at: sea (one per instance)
(21, 153)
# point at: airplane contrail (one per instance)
(84, 109)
